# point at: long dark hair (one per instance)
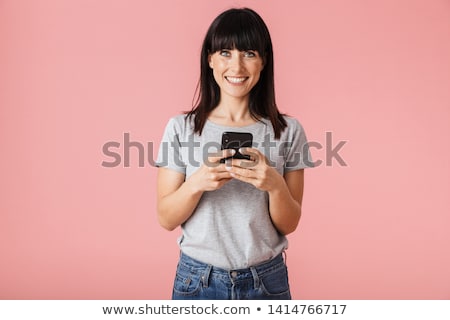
(241, 29)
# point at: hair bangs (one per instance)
(238, 31)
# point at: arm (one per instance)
(285, 193)
(285, 202)
(177, 198)
(172, 189)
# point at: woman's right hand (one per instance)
(212, 175)
(178, 198)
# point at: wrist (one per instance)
(192, 187)
(279, 186)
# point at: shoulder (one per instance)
(293, 125)
(179, 124)
(178, 120)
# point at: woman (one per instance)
(234, 215)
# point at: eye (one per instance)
(225, 53)
(250, 54)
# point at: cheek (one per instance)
(257, 73)
(217, 76)
(256, 77)
(218, 67)
(256, 69)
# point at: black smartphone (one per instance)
(236, 140)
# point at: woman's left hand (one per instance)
(255, 171)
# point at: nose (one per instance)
(236, 61)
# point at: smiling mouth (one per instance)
(236, 80)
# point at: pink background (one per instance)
(77, 74)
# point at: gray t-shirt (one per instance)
(231, 227)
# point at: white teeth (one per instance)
(235, 79)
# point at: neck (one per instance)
(232, 110)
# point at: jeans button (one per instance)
(234, 274)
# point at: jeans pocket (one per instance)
(275, 283)
(187, 281)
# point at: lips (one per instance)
(236, 80)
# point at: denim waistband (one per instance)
(243, 273)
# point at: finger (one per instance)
(243, 163)
(219, 167)
(254, 154)
(217, 156)
(221, 176)
(241, 172)
(243, 178)
(250, 151)
(214, 158)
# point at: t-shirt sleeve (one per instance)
(297, 154)
(169, 153)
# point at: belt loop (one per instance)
(205, 276)
(285, 257)
(255, 277)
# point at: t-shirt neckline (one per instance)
(248, 126)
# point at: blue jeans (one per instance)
(196, 280)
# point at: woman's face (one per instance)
(236, 72)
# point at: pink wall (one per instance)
(77, 74)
